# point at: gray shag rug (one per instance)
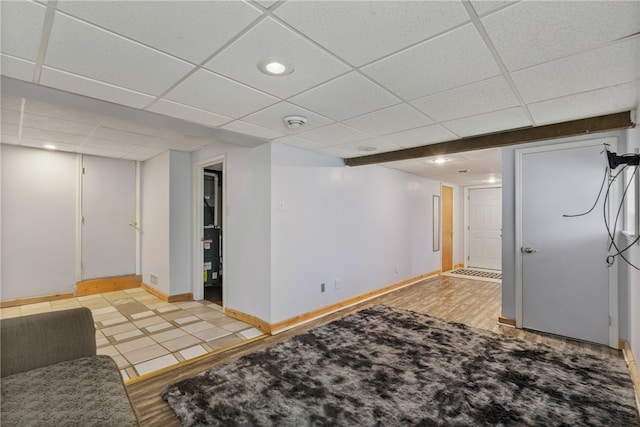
(387, 367)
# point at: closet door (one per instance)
(108, 208)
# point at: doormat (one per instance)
(476, 274)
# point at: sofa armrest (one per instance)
(38, 340)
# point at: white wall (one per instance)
(180, 205)
(246, 225)
(355, 224)
(155, 221)
(38, 222)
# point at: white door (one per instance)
(108, 206)
(485, 228)
(565, 279)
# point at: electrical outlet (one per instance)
(321, 287)
(337, 284)
(153, 278)
(397, 269)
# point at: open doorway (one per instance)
(211, 229)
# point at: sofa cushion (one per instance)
(82, 392)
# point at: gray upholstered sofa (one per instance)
(51, 375)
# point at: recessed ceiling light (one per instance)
(49, 146)
(440, 160)
(272, 66)
(492, 180)
(366, 148)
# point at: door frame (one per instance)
(467, 216)
(613, 279)
(198, 222)
(442, 219)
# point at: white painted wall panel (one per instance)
(180, 222)
(334, 222)
(155, 221)
(38, 222)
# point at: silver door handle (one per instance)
(529, 250)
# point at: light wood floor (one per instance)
(474, 303)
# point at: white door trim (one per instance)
(198, 220)
(613, 283)
(467, 215)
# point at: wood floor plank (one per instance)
(474, 303)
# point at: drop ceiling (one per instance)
(369, 75)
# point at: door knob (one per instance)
(529, 250)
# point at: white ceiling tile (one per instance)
(361, 32)
(251, 129)
(410, 166)
(131, 126)
(124, 147)
(361, 148)
(587, 104)
(11, 130)
(187, 145)
(334, 134)
(454, 59)
(92, 88)
(13, 103)
(21, 28)
(336, 152)
(16, 68)
(100, 151)
(266, 3)
(484, 7)
(55, 111)
(607, 66)
(217, 94)
(273, 118)
(9, 139)
(129, 137)
(39, 143)
(489, 159)
(388, 120)
(345, 97)
(36, 121)
(299, 142)
(192, 114)
(511, 118)
(420, 136)
(89, 51)
(312, 66)
(10, 117)
(192, 31)
(477, 98)
(532, 32)
(144, 153)
(52, 136)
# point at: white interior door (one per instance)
(485, 228)
(108, 206)
(565, 279)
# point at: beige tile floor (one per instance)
(144, 334)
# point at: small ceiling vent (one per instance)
(295, 122)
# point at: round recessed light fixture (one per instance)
(492, 180)
(273, 66)
(49, 146)
(366, 148)
(295, 122)
(440, 160)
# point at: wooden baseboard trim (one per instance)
(633, 368)
(311, 315)
(107, 284)
(507, 321)
(276, 328)
(457, 266)
(164, 297)
(247, 318)
(34, 300)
